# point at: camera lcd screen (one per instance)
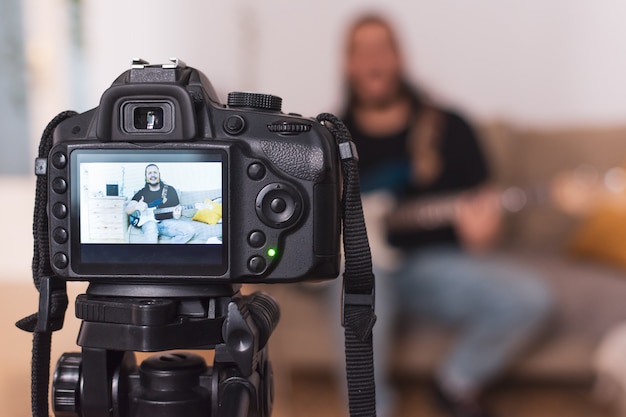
(168, 216)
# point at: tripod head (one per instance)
(104, 378)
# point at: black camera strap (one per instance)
(52, 289)
(358, 316)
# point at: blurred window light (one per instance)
(615, 180)
(14, 139)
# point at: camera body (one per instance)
(262, 186)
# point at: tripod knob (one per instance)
(66, 386)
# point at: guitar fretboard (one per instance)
(435, 212)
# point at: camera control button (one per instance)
(234, 125)
(59, 160)
(257, 264)
(60, 260)
(278, 205)
(59, 210)
(60, 235)
(256, 239)
(59, 185)
(256, 171)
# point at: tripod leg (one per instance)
(98, 367)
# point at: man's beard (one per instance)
(381, 102)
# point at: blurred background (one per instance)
(543, 82)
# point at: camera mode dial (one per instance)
(256, 101)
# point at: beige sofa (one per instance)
(590, 298)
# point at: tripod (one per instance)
(118, 320)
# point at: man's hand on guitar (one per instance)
(141, 205)
(134, 205)
(178, 211)
(478, 218)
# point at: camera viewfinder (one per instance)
(145, 117)
(148, 118)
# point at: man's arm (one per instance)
(478, 213)
(136, 203)
(478, 219)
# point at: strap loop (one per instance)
(52, 305)
(41, 167)
(347, 150)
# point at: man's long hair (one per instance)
(426, 120)
(405, 87)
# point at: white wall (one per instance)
(539, 62)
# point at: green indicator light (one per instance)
(271, 252)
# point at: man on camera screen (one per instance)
(156, 210)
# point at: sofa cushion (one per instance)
(533, 158)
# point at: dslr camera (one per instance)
(166, 200)
(268, 181)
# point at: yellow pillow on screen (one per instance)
(210, 213)
(602, 236)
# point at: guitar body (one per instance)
(377, 206)
(139, 218)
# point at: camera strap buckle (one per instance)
(53, 302)
(363, 323)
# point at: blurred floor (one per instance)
(314, 395)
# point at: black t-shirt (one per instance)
(154, 199)
(384, 164)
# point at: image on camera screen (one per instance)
(162, 208)
(151, 202)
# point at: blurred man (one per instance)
(445, 219)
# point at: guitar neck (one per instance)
(435, 212)
(171, 209)
(427, 214)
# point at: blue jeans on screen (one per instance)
(179, 230)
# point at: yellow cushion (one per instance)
(209, 213)
(602, 235)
